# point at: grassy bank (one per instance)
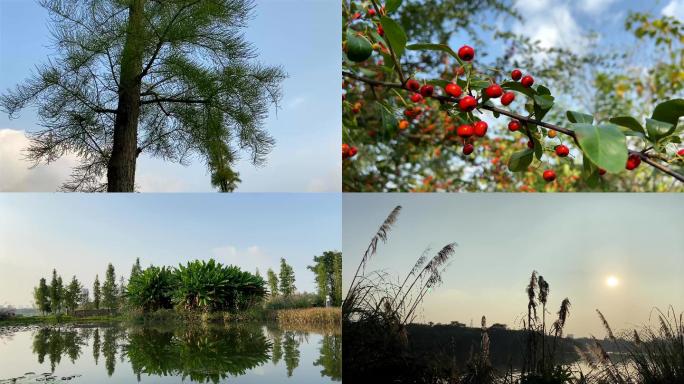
(37, 320)
(328, 318)
(319, 317)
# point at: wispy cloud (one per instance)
(296, 102)
(249, 259)
(553, 25)
(674, 8)
(594, 7)
(17, 174)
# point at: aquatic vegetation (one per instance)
(151, 289)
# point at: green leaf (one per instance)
(395, 35)
(438, 83)
(520, 161)
(389, 120)
(658, 129)
(542, 105)
(479, 84)
(628, 122)
(605, 145)
(515, 86)
(669, 111)
(544, 101)
(579, 117)
(434, 47)
(392, 5)
(590, 172)
(542, 90)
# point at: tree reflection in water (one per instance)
(204, 354)
(330, 358)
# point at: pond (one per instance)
(254, 353)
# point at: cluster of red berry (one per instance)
(348, 151)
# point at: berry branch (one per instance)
(643, 155)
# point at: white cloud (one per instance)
(248, 259)
(16, 174)
(594, 7)
(552, 26)
(674, 8)
(296, 102)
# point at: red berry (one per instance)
(494, 91)
(413, 85)
(468, 149)
(465, 131)
(466, 53)
(507, 98)
(356, 16)
(530, 144)
(467, 104)
(527, 81)
(427, 90)
(562, 150)
(680, 152)
(516, 74)
(633, 161)
(416, 97)
(602, 171)
(352, 151)
(480, 128)
(549, 175)
(381, 31)
(514, 125)
(453, 90)
(371, 12)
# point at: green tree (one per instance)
(165, 78)
(72, 295)
(151, 289)
(97, 293)
(272, 282)
(328, 270)
(287, 278)
(136, 269)
(109, 289)
(56, 293)
(41, 296)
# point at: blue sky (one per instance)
(576, 241)
(300, 35)
(79, 234)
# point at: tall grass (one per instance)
(652, 354)
(318, 317)
(377, 309)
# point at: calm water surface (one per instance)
(202, 354)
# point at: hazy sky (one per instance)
(79, 234)
(300, 35)
(576, 241)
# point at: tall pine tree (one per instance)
(287, 278)
(110, 294)
(165, 78)
(41, 295)
(272, 282)
(97, 293)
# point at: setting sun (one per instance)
(612, 281)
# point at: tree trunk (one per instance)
(121, 167)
